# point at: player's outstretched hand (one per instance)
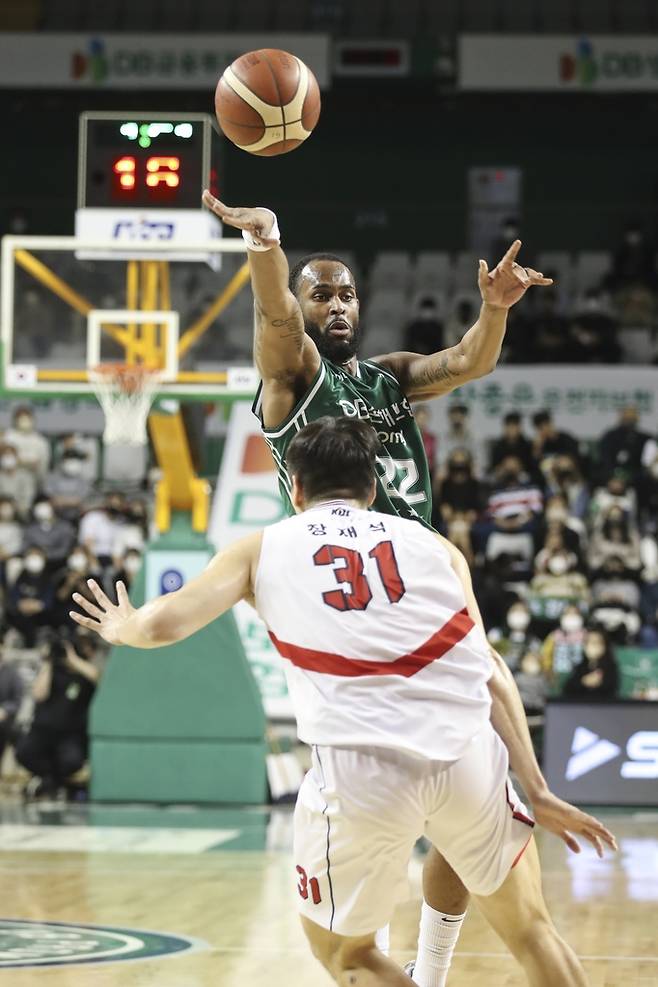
(508, 282)
(107, 618)
(567, 822)
(258, 222)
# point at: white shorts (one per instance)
(360, 811)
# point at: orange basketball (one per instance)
(267, 102)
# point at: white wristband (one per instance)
(253, 243)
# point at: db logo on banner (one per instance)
(170, 581)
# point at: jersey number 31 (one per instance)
(351, 573)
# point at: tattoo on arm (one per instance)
(435, 372)
(290, 328)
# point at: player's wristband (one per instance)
(253, 243)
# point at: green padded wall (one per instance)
(183, 723)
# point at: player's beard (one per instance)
(333, 348)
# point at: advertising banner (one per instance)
(568, 63)
(247, 499)
(142, 61)
(603, 753)
(584, 400)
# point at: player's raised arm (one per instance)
(228, 578)
(282, 350)
(424, 377)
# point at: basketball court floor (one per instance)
(183, 897)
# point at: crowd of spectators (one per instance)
(561, 538)
(57, 530)
(606, 316)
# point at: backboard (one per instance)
(64, 311)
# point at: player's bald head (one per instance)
(318, 268)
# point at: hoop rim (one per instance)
(119, 369)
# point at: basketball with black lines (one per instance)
(267, 102)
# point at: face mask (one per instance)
(24, 423)
(558, 565)
(78, 563)
(518, 620)
(34, 564)
(594, 651)
(43, 512)
(72, 467)
(7, 512)
(132, 564)
(113, 512)
(556, 514)
(8, 462)
(530, 665)
(571, 622)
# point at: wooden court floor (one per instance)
(224, 878)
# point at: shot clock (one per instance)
(140, 179)
(143, 160)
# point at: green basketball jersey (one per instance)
(403, 486)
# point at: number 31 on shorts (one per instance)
(308, 885)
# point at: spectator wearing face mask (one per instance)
(512, 443)
(564, 477)
(622, 447)
(82, 446)
(11, 533)
(458, 498)
(80, 567)
(616, 595)
(558, 579)
(55, 748)
(460, 320)
(615, 493)
(31, 447)
(124, 570)
(550, 441)
(424, 334)
(548, 339)
(30, 599)
(459, 435)
(597, 675)
(51, 533)
(531, 683)
(557, 520)
(513, 511)
(16, 482)
(516, 637)
(100, 528)
(594, 330)
(563, 648)
(67, 488)
(615, 537)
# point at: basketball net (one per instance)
(125, 393)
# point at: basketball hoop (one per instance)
(125, 393)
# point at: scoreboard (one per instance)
(144, 160)
(140, 179)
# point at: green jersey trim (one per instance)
(387, 373)
(296, 413)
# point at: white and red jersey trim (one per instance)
(371, 619)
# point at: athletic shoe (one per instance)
(409, 969)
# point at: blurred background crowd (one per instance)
(57, 531)
(561, 538)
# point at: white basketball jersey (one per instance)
(370, 618)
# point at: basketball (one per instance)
(267, 102)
